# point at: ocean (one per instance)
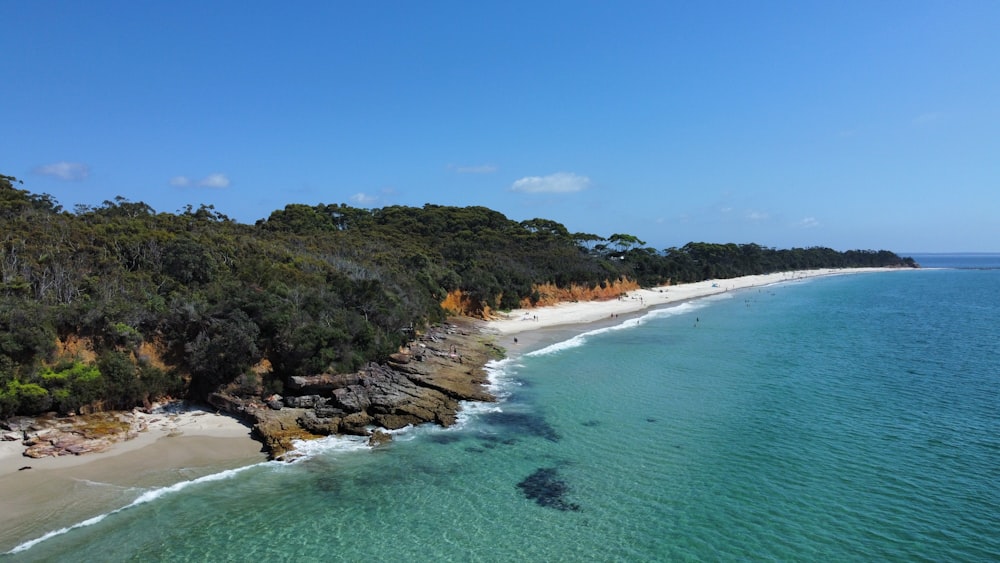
(845, 418)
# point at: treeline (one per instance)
(116, 305)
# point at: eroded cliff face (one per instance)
(422, 383)
(543, 295)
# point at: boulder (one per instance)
(378, 438)
(304, 401)
(327, 411)
(321, 384)
(323, 426)
(356, 424)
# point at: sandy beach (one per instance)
(61, 491)
(514, 326)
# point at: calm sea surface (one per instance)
(845, 418)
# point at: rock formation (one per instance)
(75, 435)
(423, 383)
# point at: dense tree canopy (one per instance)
(187, 302)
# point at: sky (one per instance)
(847, 124)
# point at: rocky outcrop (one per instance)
(50, 436)
(423, 383)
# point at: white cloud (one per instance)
(478, 169)
(807, 223)
(214, 181)
(757, 216)
(560, 182)
(70, 171)
(363, 199)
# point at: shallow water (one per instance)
(845, 418)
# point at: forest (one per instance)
(117, 305)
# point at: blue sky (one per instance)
(842, 124)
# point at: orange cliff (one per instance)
(546, 294)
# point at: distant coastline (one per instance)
(518, 329)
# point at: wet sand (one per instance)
(62, 491)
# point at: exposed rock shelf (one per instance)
(421, 384)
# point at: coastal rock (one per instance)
(277, 430)
(322, 384)
(378, 438)
(394, 395)
(12, 436)
(16, 423)
(304, 401)
(356, 424)
(228, 403)
(77, 435)
(327, 411)
(324, 426)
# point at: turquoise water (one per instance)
(844, 418)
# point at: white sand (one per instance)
(520, 320)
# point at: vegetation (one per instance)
(116, 305)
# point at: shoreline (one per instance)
(62, 491)
(178, 446)
(524, 330)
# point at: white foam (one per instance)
(304, 449)
(470, 411)
(145, 497)
(102, 484)
(500, 375)
(582, 338)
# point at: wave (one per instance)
(148, 496)
(305, 449)
(668, 311)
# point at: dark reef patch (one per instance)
(490, 441)
(546, 488)
(444, 438)
(591, 423)
(524, 423)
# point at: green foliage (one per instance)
(23, 398)
(224, 348)
(310, 289)
(73, 386)
(121, 384)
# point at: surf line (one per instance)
(148, 496)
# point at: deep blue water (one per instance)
(853, 417)
(966, 260)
